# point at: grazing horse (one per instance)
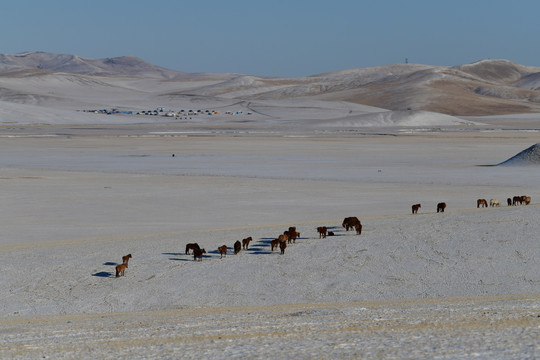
(282, 246)
(350, 222)
(197, 253)
(126, 258)
(526, 199)
(222, 250)
(192, 246)
(245, 242)
(274, 243)
(358, 228)
(322, 230)
(441, 207)
(481, 203)
(121, 269)
(415, 208)
(237, 247)
(509, 202)
(494, 202)
(516, 200)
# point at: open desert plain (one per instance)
(100, 161)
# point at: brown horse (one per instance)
(282, 246)
(245, 242)
(441, 207)
(350, 222)
(292, 234)
(198, 253)
(526, 199)
(126, 258)
(237, 247)
(509, 202)
(516, 200)
(274, 243)
(415, 208)
(322, 230)
(358, 228)
(481, 203)
(222, 250)
(192, 246)
(121, 269)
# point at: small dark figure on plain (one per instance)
(415, 208)
(509, 202)
(237, 247)
(282, 246)
(330, 233)
(441, 207)
(198, 254)
(222, 250)
(322, 230)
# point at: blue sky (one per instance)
(276, 38)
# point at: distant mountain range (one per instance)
(486, 87)
(116, 66)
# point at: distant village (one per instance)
(169, 113)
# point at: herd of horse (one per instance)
(289, 236)
(482, 203)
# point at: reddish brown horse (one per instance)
(192, 246)
(126, 258)
(274, 243)
(121, 269)
(237, 247)
(245, 242)
(441, 207)
(350, 222)
(222, 250)
(526, 199)
(198, 254)
(481, 203)
(415, 208)
(322, 230)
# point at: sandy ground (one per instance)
(461, 284)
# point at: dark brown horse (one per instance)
(350, 222)
(481, 203)
(415, 208)
(192, 246)
(198, 253)
(222, 250)
(441, 206)
(237, 247)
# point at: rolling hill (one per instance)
(486, 87)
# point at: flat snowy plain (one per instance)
(77, 197)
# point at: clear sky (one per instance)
(276, 38)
